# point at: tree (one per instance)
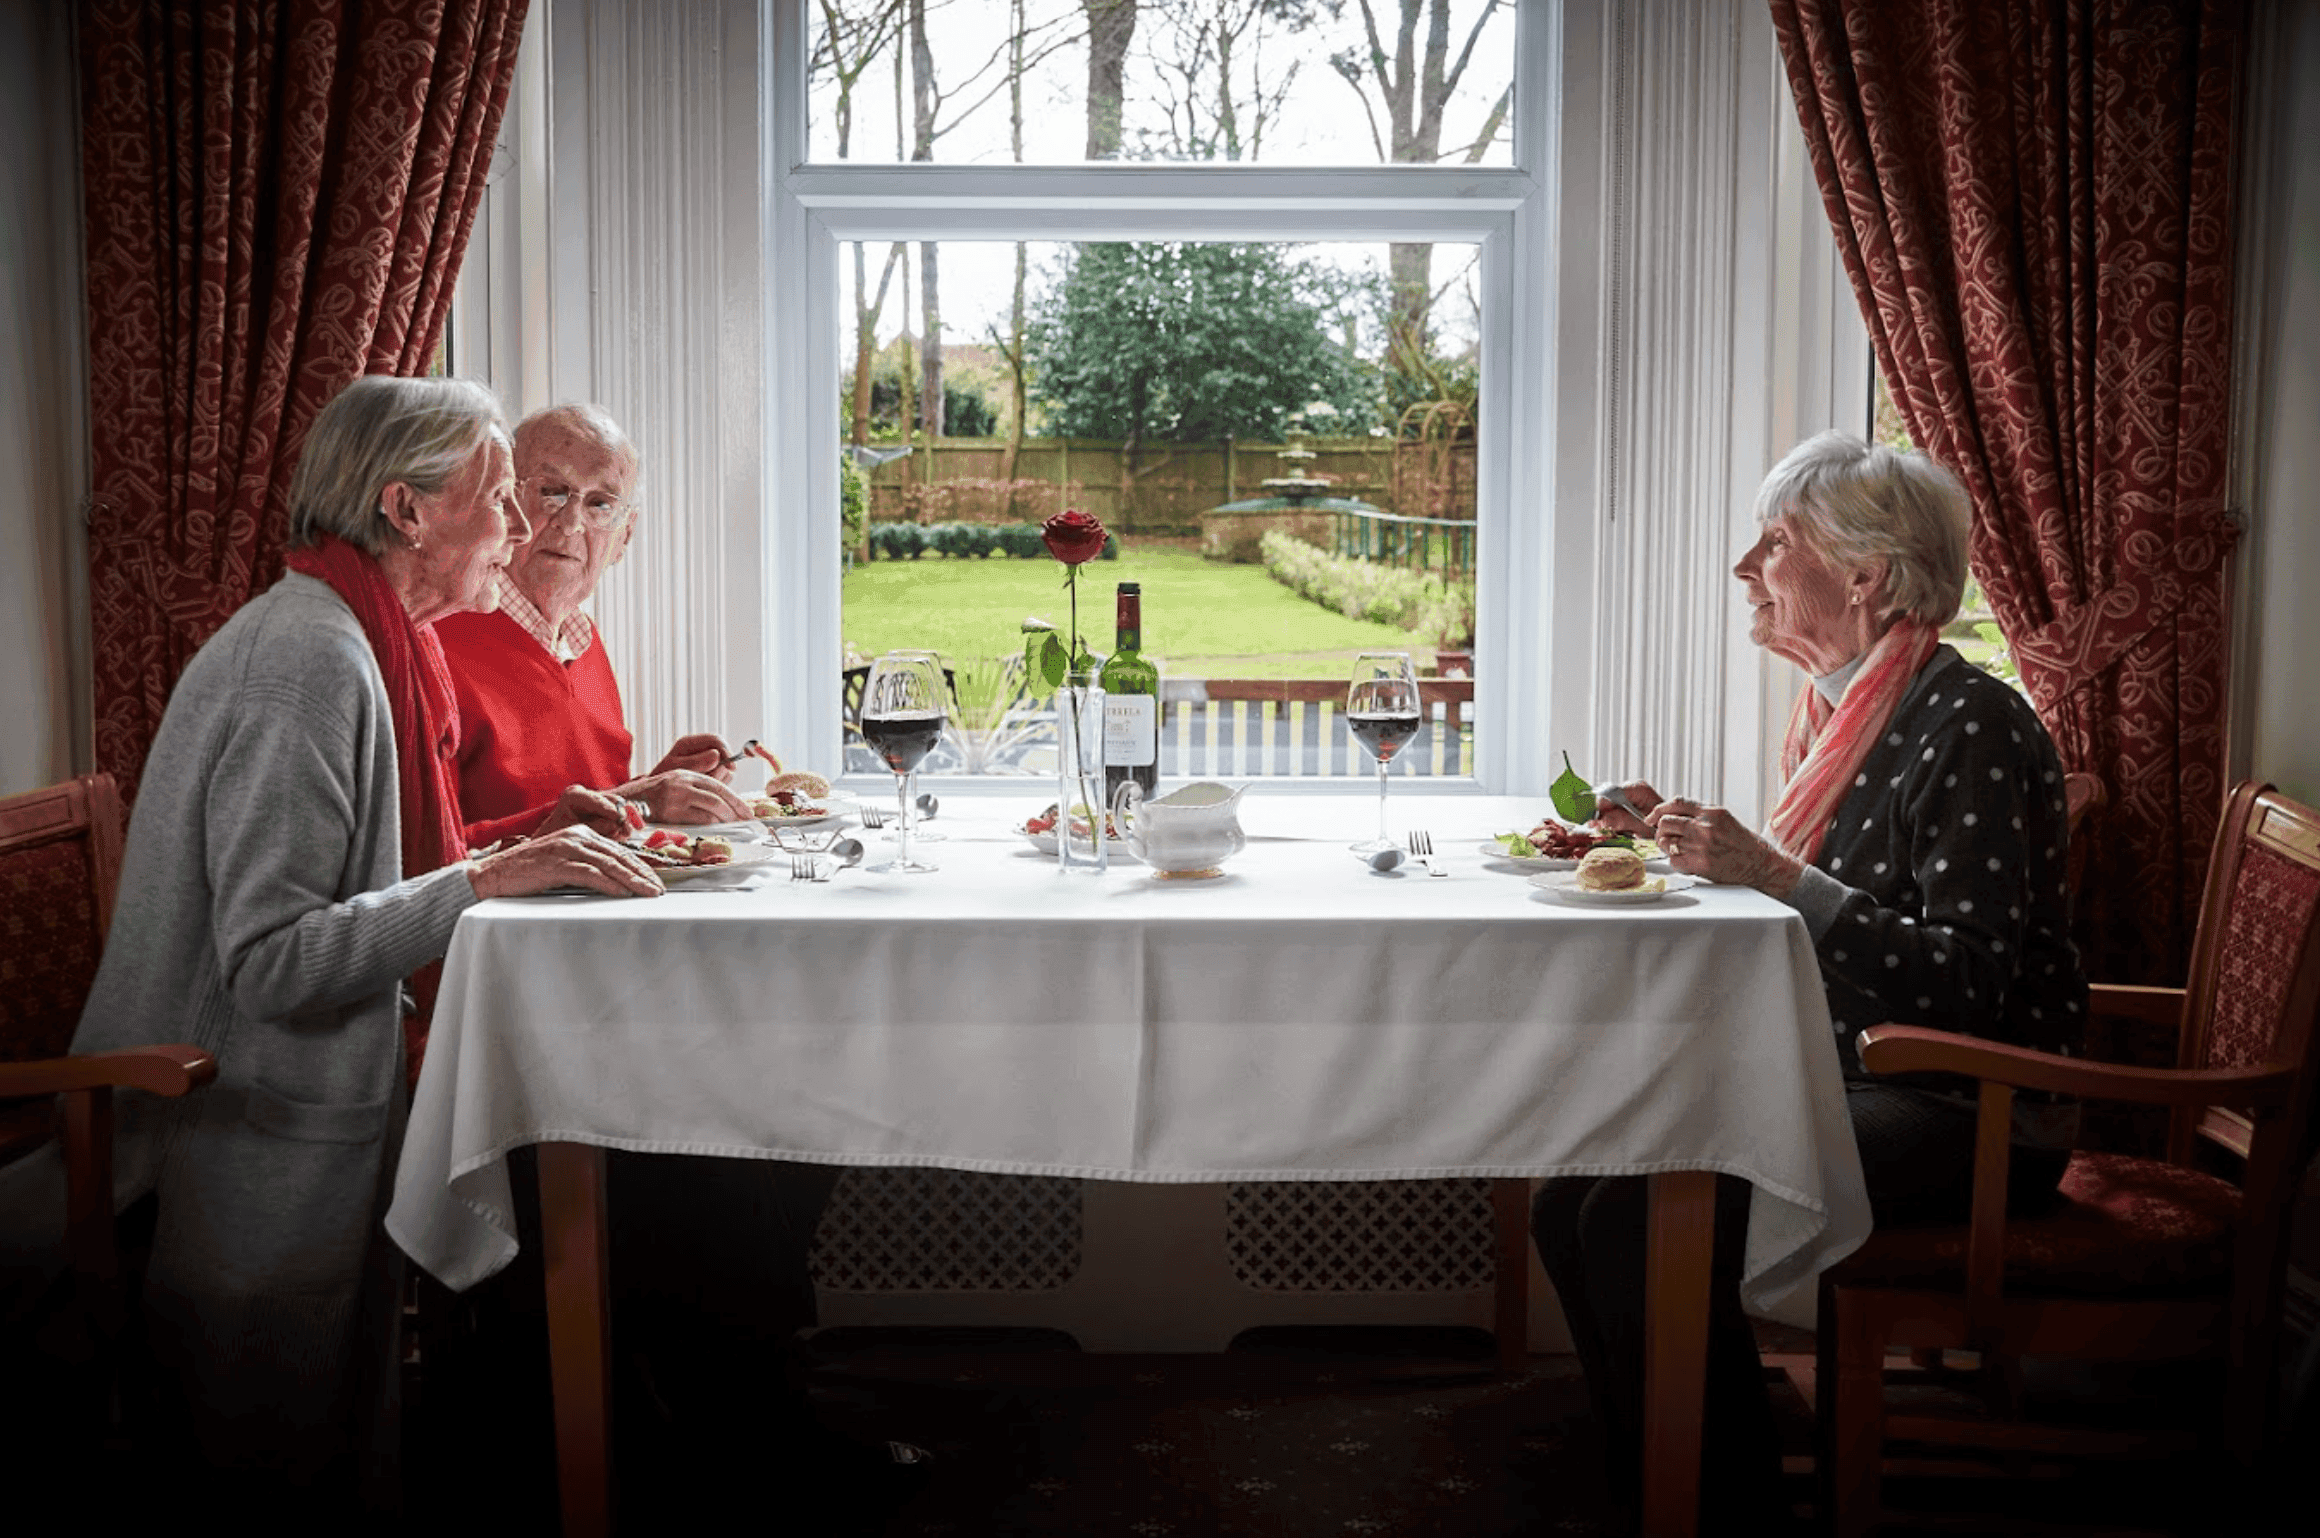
(1111, 25)
(1211, 54)
(1413, 84)
(1188, 342)
(849, 44)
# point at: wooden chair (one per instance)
(60, 865)
(2148, 1259)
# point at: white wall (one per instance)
(44, 698)
(2277, 704)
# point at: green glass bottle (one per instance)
(1131, 683)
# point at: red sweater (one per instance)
(528, 724)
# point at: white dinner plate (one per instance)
(835, 809)
(749, 830)
(744, 856)
(1045, 844)
(1494, 850)
(1564, 886)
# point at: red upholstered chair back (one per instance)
(2254, 988)
(60, 863)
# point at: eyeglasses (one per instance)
(598, 509)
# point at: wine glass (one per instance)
(1381, 709)
(902, 715)
(923, 834)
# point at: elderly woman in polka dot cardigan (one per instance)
(1920, 832)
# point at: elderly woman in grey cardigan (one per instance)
(293, 861)
(1919, 833)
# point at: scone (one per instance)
(1610, 869)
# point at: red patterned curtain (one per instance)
(2033, 198)
(278, 196)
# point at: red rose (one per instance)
(1073, 537)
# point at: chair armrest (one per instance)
(2127, 1001)
(1916, 1049)
(163, 1070)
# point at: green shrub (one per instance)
(959, 541)
(853, 506)
(1420, 601)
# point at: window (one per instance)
(1661, 315)
(1461, 238)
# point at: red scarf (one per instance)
(426, 714)
(1826, 744)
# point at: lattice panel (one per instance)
(1360, 1235)
(929, 1230)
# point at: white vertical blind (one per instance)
(656, 296)
(1714, 347)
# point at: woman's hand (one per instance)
(1612, 820)
(569, 857)
(702, 753)
(580, 807)
(683, 796)
(1709, 841)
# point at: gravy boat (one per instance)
(1188, 833)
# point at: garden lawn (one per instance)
(1202, 618)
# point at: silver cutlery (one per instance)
(807, 867)
(875, 816)
(1385, 859)
(845, 854)
(1422, 845)
(926, 805)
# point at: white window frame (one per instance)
(813, 209)
(1664, 315)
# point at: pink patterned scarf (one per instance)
(1826, 744)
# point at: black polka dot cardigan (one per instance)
(1939, 896)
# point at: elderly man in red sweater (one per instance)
(539, 708)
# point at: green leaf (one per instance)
(1517, 845)
(1574, 798)
(1054, 662)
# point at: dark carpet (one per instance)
(1292, 1434)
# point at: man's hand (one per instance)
(1709, 841)
(701, 752)
(684, 797)
(581, 807)
(569, 857)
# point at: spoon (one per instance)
(847, 852)
(926, 805)
(1386, 859)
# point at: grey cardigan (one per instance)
(263, 916)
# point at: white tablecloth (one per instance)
(1299, 1018)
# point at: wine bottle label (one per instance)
(1131, 730)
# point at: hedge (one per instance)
(1420, 601)
(909, 541)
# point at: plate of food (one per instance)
(1611, 877)
(799, 799)
(1041, 831)
(1553, 846)
(680, 856)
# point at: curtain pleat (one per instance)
(2033, 199)
(277, 199)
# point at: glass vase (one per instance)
(1079, 792)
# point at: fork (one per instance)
(1422, 845)
(807, 867)
(874, 816)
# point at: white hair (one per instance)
(1857, 503)
(380, 430)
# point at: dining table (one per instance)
(1297, 1017)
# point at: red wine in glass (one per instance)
(1383, 732)
(1381, 710)
(902, 740)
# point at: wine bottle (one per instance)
(1131, 701)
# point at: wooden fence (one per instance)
(1166, 487)
(1246, 728)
